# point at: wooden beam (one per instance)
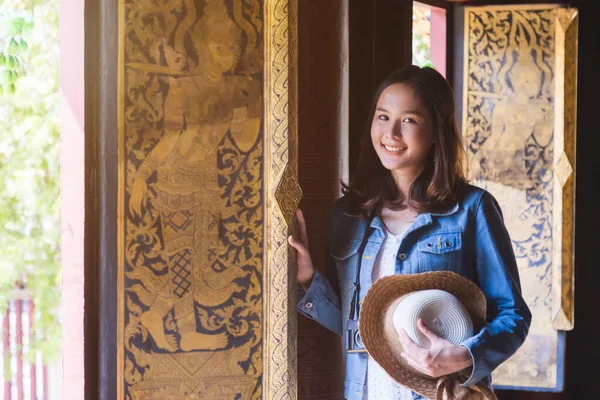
(380, 40)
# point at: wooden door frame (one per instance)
(99, 28)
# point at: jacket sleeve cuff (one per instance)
(479, 370)
(308, 300)
(315, 304)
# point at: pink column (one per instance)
(19, 344)
(6, 350)
(72, 194)
(437, 51)
(32, 369)
(45, 381)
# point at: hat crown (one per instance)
(440, 311)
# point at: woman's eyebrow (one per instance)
(415, 112)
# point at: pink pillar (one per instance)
(6, 351)
(72, 194)
(19, 344)
(45, 382)
(32, 369)
(437, 51)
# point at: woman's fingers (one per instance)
(296, 244)
(302, 227)
(306, 269)
(427, 332)
(417, 365)
(407, 343)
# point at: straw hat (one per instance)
(451, 306)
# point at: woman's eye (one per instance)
(409, 121)
(383, 118)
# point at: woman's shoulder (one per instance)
(477, 200)
(471, 196)
(341, 205)
(341, 210)
(343, 220)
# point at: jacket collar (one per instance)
(422, 220)
(454, 209)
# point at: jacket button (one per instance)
(402, 256)
(448, 244)
(429, 244)
(308, 305)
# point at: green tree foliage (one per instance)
(29, 162)
(421, 36)
(13, 46)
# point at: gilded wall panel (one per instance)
(519, 130)
(193, 133)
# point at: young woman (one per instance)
(408, 209)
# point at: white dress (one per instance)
(379, 384)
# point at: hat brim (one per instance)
(381, 339)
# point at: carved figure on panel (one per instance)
(200, 108)
(522, 114)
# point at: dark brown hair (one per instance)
(437, 187)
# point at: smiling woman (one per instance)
(401, 131)
(408, 210)
(412, 113)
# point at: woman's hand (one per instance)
(306, 270)
(440, 358)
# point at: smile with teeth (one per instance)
(393, 149)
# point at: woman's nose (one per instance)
(394, 131)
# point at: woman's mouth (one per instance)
(393, 149)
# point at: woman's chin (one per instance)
(392, 162)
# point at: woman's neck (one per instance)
(404, 180)
(397, 222)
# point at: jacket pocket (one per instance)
(440, 252)
(345, 252)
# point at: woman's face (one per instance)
(401, 130)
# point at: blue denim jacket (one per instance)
(469, 239)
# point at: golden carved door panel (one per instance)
(519, 110)
(208, 187)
